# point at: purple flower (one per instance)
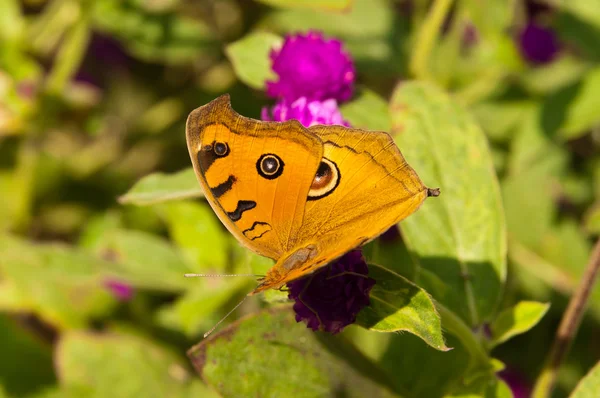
(517, 383)
(391, 235)
(121, 290)
(538, 44)
(330, 299)
(470, 36)
(311, 66)
(307, 113)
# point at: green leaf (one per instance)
(482, 387)
(17, 188)
(576, 31)
(70, 54)
(584, 9)
(250, 58)
(144, 260)
(589, 386)
(399, 305)
(592, 220)
(198, 232)
(532, 145)
(22, 350)
(11, 21)
(154, 35)
(555, 75)
(528, 194)
(269, 354)
(367, 111)
(423, 371)
(62, 285)
(160, 187)
(193, 313)
(517, 320)
(123, 365)
(460, 236)
(582, 112)
(329, 5)
(499, 119)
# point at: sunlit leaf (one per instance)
(589, 386)
(592, 220)
(11, 21)
(367, 111)
(459, 236)
(197, 231)
(62, 285)
(160, 187)
(516, 320)
(582, 112)
(331, 5)
(191, 313)
(584, 9)
(138, 367)
(270, 354)
(143, 260)
(250, 58)
(399, 305)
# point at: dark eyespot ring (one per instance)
(221, 149)
(269, 166)
(326, 180)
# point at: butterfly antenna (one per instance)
(217, 275)
(225, 317)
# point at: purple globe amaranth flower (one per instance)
(539, 44)
(470, 36)
(313, 67)
(391, 235)
(330, 299)
(309, 113)
(517, 383)
(120, 290)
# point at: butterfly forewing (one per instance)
(255, 175)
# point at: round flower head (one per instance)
(309, 113)
(330, 299)
(311, 66)
(538, 44)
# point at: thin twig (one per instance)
(568, 327)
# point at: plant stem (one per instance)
(70, 55)
(459, 329)
(427, 36)
(568, 327)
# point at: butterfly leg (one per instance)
(347, 273)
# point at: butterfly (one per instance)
(301, 196)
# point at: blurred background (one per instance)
(94, 95)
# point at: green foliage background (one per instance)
(96, 186)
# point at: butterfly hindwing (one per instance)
(370, 188)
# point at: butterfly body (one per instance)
(301, 196)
